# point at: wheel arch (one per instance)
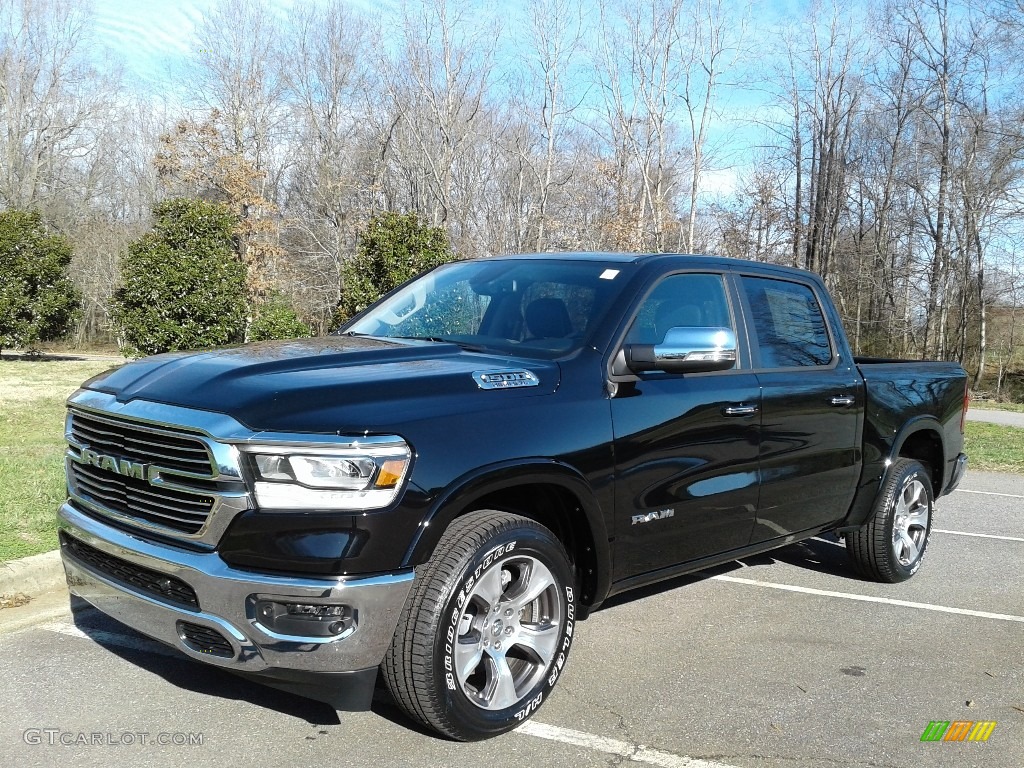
(921, 440)
(549, 492)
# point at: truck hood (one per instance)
(334, 384)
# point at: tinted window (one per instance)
(788, 322)
(686, 300)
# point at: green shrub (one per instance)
(182, 285)
(275, 319)
(394, 248)
(37, 300)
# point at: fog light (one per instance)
(316, 611)
(305, 619)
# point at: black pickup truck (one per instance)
(445, 487)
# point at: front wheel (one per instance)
(487, 628)
(890, 546)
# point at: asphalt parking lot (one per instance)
(783, 661)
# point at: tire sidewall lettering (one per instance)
(492, 558)
(448, 637)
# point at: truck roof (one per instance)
(639, 258)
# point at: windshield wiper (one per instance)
(470, 347)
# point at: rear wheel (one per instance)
(891, 545)
(486, 631)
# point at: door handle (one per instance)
(843, 401)
(740, 410)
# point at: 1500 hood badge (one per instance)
(505, 379)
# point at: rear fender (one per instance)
(873, 478)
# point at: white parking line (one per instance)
(638, 753)
(870, 599)
(978, 535)
(103, 637)
(990, 493)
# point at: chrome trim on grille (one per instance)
(173, 451)
(130, 498)
(111, 473)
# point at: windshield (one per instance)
(528, 307)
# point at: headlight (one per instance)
(346, 478)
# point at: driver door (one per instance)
(686, 445)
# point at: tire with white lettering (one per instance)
(890, 546)
(486, 631)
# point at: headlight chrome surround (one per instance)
(305, 476)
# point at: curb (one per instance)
(32, 575)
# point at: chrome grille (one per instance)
(128, 496)
(155, 492)
(136, 442)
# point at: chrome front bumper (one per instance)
(227, 600)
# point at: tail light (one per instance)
(967, 402)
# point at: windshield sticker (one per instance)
(609, 274)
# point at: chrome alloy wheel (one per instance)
(509, 632)
(910, 522)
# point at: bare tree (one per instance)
(638, 66)
(710, 43)
(755, 224)
(238, 77)
(437, 88)
(883, 143)
(556, 43)
(331, 186)
(54, 105)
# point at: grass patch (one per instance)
(32, 395)
(994, 447)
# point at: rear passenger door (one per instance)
(811, 408)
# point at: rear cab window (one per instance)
(787, 324)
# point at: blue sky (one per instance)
(153, 36)
(150, 36)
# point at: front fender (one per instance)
(464, 493)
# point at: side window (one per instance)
(789, 325)
(688, 300)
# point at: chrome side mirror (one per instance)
(685, 350)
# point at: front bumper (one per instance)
(119, 574)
